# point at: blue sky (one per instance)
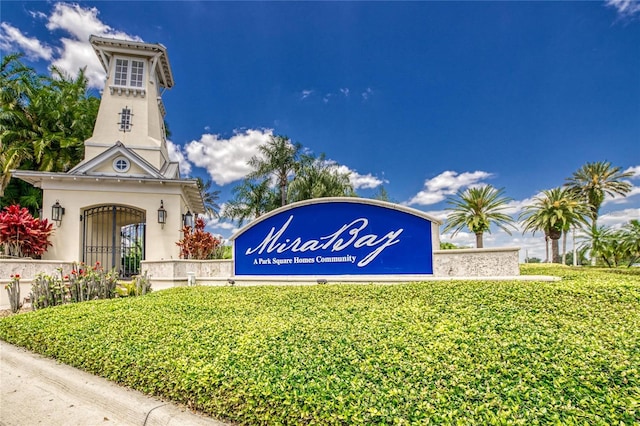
(424, 98)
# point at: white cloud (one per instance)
(619, 199)
(446, 183)
(305, 94)
(359, 181)
(226, 159)
(77, 21)
(12, 39)
(74, 52)
(625, 8)
(367, 94)
(618, 218)
(176, 154)
(635, 170)
(345, 92)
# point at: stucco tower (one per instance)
(125, 202)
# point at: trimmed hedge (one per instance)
(456, 352)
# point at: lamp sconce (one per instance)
(56, 213)
(187, 219)
(162, 215)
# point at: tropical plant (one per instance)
(21, 234)
(209, 197)
(614, 247)
(381, 194)
(44, 120)
(553, 212)
(251, 200)
(13, 291)
(631, 240)
(197, 243)
(476, 209)
(316, 178)
(277, 159)
(593, 181)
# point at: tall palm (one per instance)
(209, 197)
(278, 159)
(593, 181)
(317, 178)
(477, 209)
(251, 200)
(554, 212)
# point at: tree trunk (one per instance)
(546, 248)
(479, 240)
(592, 253)
(555, 250)
(564, 247)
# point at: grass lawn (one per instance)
(509, 352)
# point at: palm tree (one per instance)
(209, 197)
(44, 120)
(554, 212)
(476, 209)
(632, 240)
(593, 182)
(277, 158)
(317, 178)
(251, 200)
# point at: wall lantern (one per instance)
(162, 214)
(56, 212)
(187, 219)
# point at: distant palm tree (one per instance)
(278, 158)
(209, 198)
(554, 212)
(476, 209)
(316, 178)
(593, 182)
(632, 240)
(251, 200)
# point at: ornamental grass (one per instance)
(450, 352)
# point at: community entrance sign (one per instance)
(337, 236)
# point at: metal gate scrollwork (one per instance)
(114, 236)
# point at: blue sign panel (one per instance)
(336, 238)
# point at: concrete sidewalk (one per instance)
(39, 391)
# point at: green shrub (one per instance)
(452, 352)
(84, 283)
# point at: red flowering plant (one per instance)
(197, 243)
(21, 234)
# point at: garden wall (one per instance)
(461, 263)
(469, 263)
(27, 269)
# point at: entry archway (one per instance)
(114, 235)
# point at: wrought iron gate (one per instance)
(114, 236)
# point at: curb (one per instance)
(37, 388)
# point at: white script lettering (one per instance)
(348, 235)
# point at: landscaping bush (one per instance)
(84, 283)
(452, 352)
(22, 235)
